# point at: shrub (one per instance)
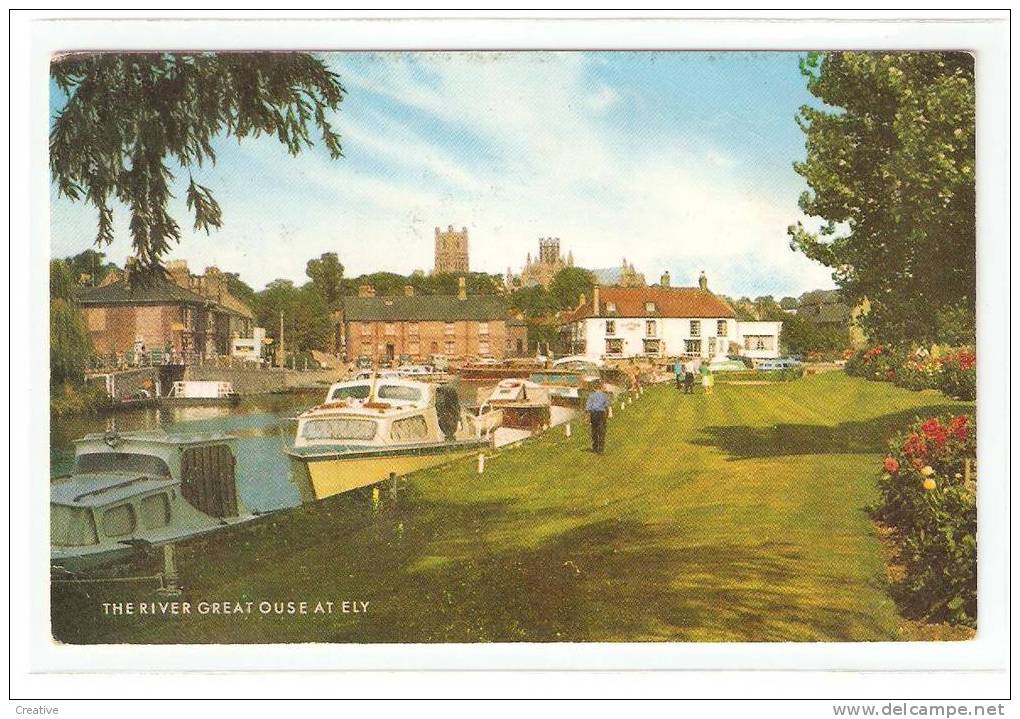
(957, 376)
(929, 500)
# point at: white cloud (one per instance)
(602, 99)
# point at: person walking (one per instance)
(597, 407)
(679, 372)
(707, 380)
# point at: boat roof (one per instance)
(99, 490)
(153, 436)
(374, 410)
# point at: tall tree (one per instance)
(569, 284)
(890, 164)
(89, 267)
(130, 116)
(327, 274)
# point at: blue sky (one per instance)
(678, 161)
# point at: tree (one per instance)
(569, 284)
(307, 321)
(89, 267)
(533, 302)
(128, 116)
(70, 342)
(890, 166)
(327, 274)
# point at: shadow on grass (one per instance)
(794, 439)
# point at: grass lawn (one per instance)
(736, 516)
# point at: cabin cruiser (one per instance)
(525, 404)
(139, 489)
(369, 430)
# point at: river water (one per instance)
(262, 425)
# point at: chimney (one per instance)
(408, 291)
(595, 302)
(664, 280)
(366, 291)
(703, 281)
(461, 289)
(130, 264)
(581, 300)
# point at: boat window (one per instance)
(396, 391)
(142, 464)
(358, 391)
(409, 429)
(119, 521)
(154, 511)
(339, 428)
(72, 526)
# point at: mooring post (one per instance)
(375, 498)
(170, 587)
(610, 415)
(566, 429)
(393, 485)
(481, 463)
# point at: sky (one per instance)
(674, 161)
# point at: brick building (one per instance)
(451, 250)
(419, 326)
(158, 313)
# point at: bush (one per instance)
(930, 502)
(953, 371)
(958, 375)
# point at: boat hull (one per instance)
(231, 401)
(322, 475)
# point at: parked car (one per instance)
(779, 363)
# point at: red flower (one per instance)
(915, 446)
(917, 462)
(891, 465)
(958, 426)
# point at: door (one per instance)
(390, 352)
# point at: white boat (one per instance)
(367, 431)
(202, 392)
(138, 489)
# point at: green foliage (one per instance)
(70, 342)
(890, 164)
(327, 275)
(91, 265)
(802, 336)
(239, 288)
(307, 318)
(930, 502)
(128, 116)
(569, 284)
(533, 302)
(443, 283)
(76, 399)
(953, 371)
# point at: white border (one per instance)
(987, 38)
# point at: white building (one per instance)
(663, 322)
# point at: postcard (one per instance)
(497, 347)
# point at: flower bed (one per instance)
(928, 489)
(954, 371)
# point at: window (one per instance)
(721, 327)
(101, 462)
(610, 327)
(449, 329)
(154, 511)
(611, 307)
(450, 347)
(358, 391)
(759, 342)
(695, 328)
(119, 521)
(409, 429)
(650, 328)
(366, 328)
(649, 307)
(72, 526)
(652, 346)
(692, 347)
(614, 347)
(483, 328)
(412, 329)
(390, 329)
(400, 392)
(339, 428)
(413, 348)
(483, 347)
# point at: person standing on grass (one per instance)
(597, 407)
(706, 378)
(679, 372)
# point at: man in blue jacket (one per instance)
(597, 408)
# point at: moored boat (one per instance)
(367, 431)
(140, 489)
(202, 392)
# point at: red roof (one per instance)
(668, 301)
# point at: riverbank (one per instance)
(735, 516)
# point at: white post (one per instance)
(481, 463)
(566, 429)
(610, 416)
(170, 588)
